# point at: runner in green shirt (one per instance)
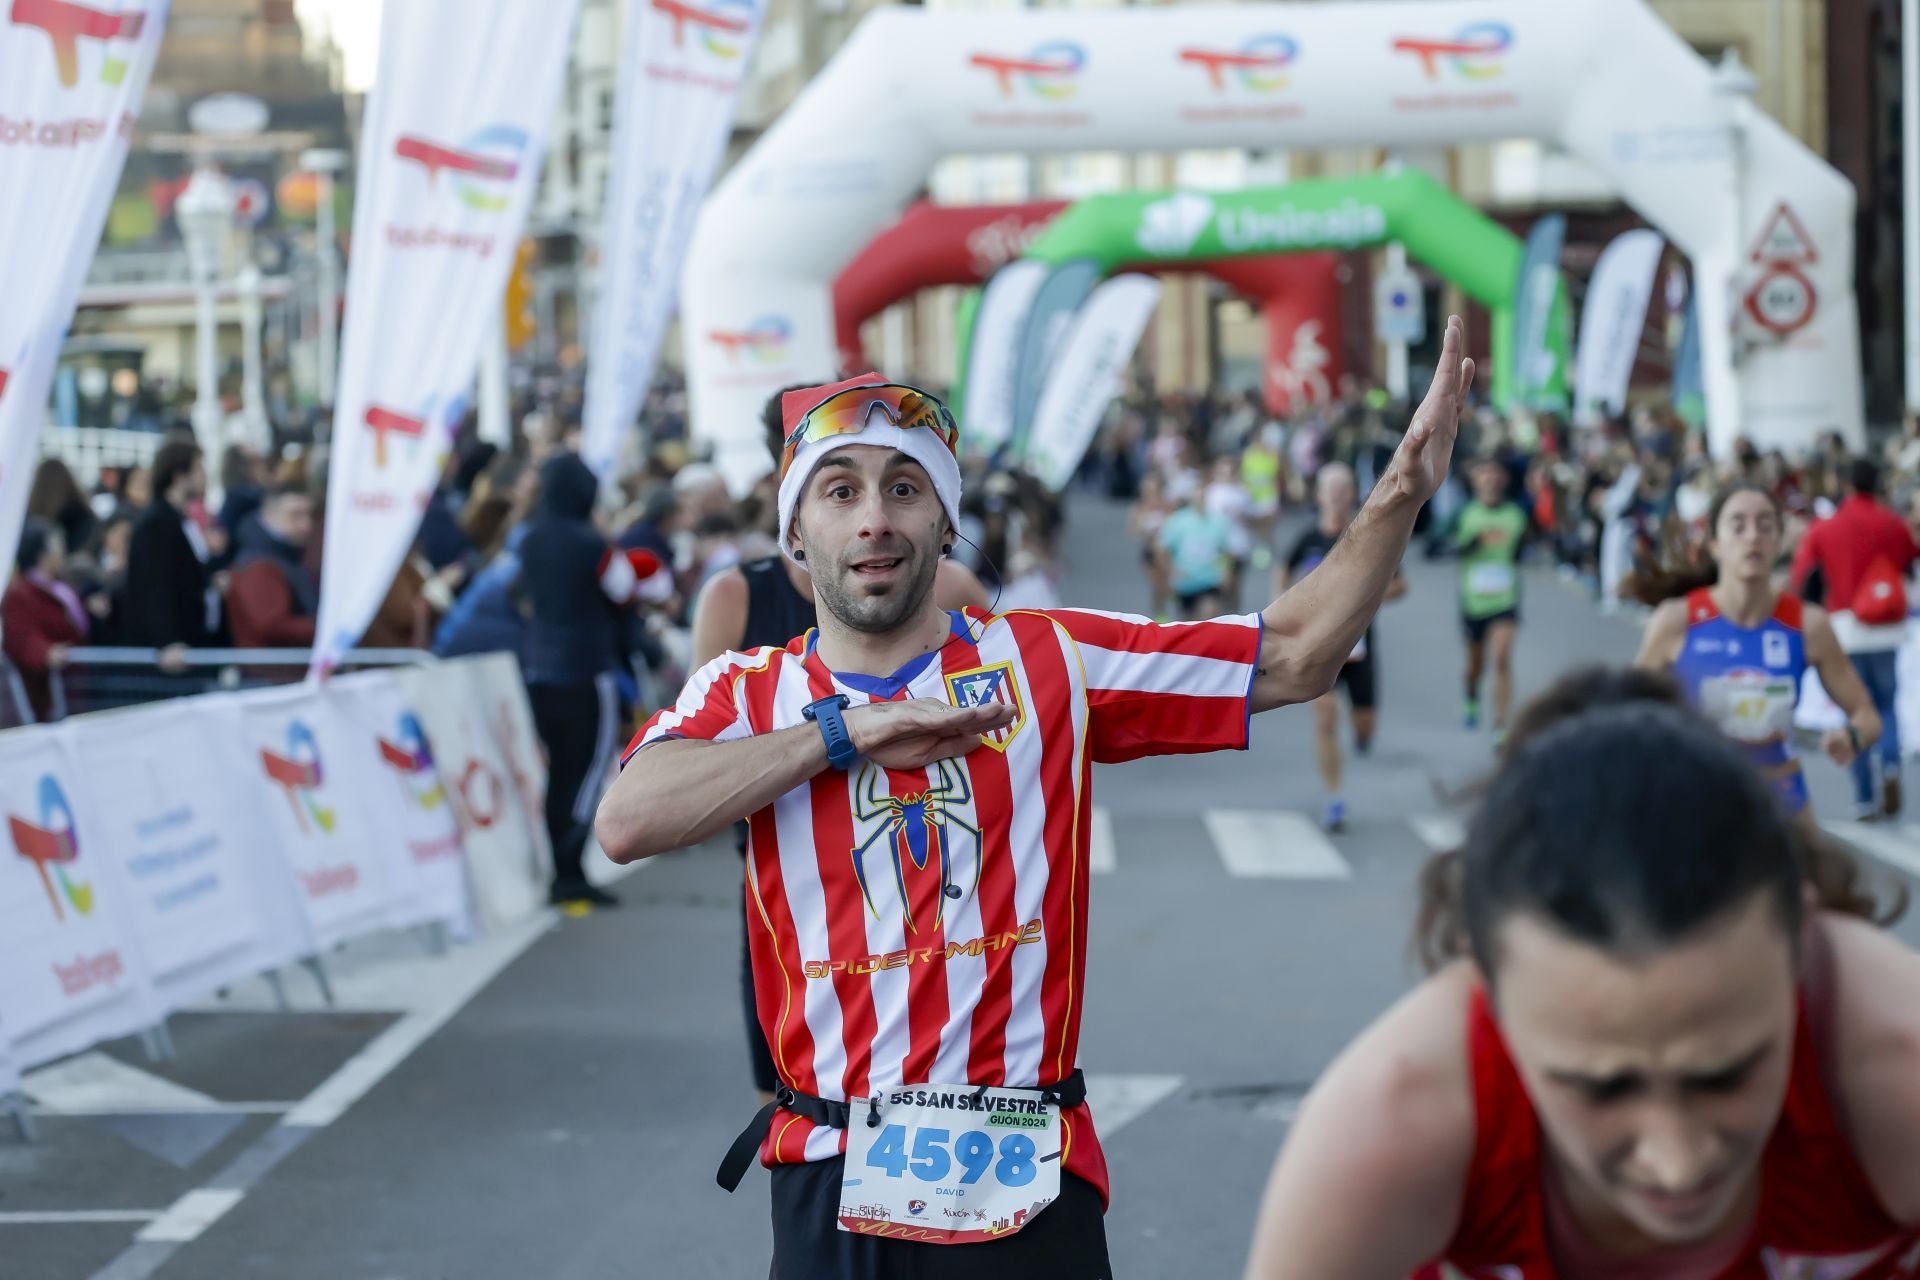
(1488, 534)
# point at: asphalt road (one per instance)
(564, 1121)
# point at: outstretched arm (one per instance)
(1313, 626)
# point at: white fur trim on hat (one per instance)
(923, 446)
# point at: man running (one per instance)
(918, 792)
(1643, 1052)
(1336, 493)
(1489, 533)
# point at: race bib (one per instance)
(1490, 579)
(1750, 706)
(950, 1165)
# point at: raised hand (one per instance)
(1420, 463)
(919, 731)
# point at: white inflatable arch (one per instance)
(1768, 224)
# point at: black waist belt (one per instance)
(1067, 1094)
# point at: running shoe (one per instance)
(1472, 716)
(1336, 819)
(580, 898)
(1890, 795)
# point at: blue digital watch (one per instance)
(841, 753)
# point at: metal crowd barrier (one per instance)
(102, 677)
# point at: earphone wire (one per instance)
(998, 577)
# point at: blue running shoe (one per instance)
(1336, 819)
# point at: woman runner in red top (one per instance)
(1649, 1054)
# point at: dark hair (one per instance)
(54, 489)
(170, 462)
(34, 537)
(1656, 584)
(660, 505)
(774, 421)
(1636, 823)
(236, 466)
(473, 460)
(1863, 476)
(717, 524)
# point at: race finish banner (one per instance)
(71, 79)
(449, 159)
(678, 89)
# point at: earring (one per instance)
(799, 555)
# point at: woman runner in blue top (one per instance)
(1740, 646)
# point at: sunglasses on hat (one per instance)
(848, 412)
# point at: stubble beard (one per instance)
(841, 594)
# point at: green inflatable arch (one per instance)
(1453, 238)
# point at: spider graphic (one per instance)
(916, 826)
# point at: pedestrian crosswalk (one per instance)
(1263, 844)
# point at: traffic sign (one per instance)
(1399, 308)
(1782, 300)
(1784, 239)
(250, 201)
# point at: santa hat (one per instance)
(925, 447)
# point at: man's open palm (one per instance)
(1420, 463)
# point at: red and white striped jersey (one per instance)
(930, 926)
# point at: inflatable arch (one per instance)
(1767, 224)
(1460, 243)
(1298, 295)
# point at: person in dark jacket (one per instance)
(577, 590)
(170, 590)
(486, 618)
(274, 596)
(41, 617)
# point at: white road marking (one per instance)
(95, 1083)
(64, 1217)
(1896, 846)
(437, 992)
(1440, 832)
(1118, 1101)
(190, 1215)
(1100, 854)
(211, 1107)
(1274, 844)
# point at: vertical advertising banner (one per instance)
(1535, 364)
(71, 79)
(1088, 375)
(1611, 321)
(298, 749)
(67, 974)
(175, 836)
(679, 82)
(993, 354)
(407, 799)
(450, 156)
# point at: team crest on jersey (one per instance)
(982, 685)
(917, 838)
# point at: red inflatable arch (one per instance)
(1298, 294)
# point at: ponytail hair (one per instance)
(1654, 585)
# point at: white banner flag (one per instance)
(450, 156)
(1611, 321)
(993, 362)
(1087, 375)
(679, 82)
(71, 80)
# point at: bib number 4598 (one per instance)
(929, 1160)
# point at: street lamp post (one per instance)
(1733, 90)
(253, 390)
(323, 163)
(205, 214)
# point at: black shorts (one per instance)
(1190, 609)
(1359, 677)
(1068, 1241)
(1476, 628)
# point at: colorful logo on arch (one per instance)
(299, 773)
(1259, 64)
(481, 169)
(408, 754)
(67, 24)
(53, 847)
(1474, 53)
(764, 341)
(1050, 71)
(722, 26)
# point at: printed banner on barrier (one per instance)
(502, 699)
(679, 83)
(317, 811)
(71, 80)
(449, 158)
(173, 831)
(407, 798)
(504, 864)
(64, 961)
